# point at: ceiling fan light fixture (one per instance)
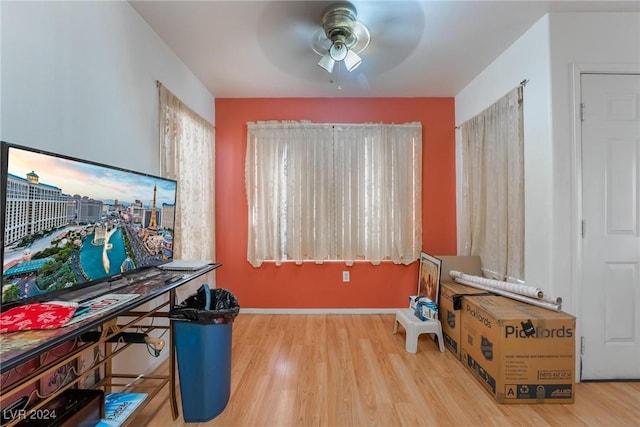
(327, 62)
(352, 60)
(338, 51)
(347, 36)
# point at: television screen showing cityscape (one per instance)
(69, 222)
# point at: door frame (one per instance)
(576, 197)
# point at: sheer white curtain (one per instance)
(319, 192)
(492, 219)
(187, 155)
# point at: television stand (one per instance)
(27, 361)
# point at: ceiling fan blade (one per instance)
(299, 30)
(363, 37)
(319, 42)
(362, 81)
(396, 21)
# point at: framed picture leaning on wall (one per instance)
(429, 276)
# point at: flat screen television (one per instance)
(69, 223)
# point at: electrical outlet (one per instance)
(346, 276)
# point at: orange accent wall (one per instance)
(320, 286)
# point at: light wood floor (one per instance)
(350, 370)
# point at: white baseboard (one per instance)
(319, 310)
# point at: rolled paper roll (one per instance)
(516, 288)
(517, 297)
(549, 298)
(458, 277)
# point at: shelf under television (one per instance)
(35, 346)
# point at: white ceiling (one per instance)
(241, 49)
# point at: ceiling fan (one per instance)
(340, 37)
(298, 35)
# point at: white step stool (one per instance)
(414, 327)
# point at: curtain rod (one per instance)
(333, 125)
(523, 83)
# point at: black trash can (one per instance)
(203, 326)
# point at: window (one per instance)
(187, 155)
(492, 219)
(321, 192)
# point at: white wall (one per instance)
(546, 55)
(79, 78)
(527, 58)
(609, 39)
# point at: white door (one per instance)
(611, 211)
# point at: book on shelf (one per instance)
(118, 406)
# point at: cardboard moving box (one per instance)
(469, 264)
(450, 315)
(521, 353)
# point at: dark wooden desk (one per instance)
(18, 348)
